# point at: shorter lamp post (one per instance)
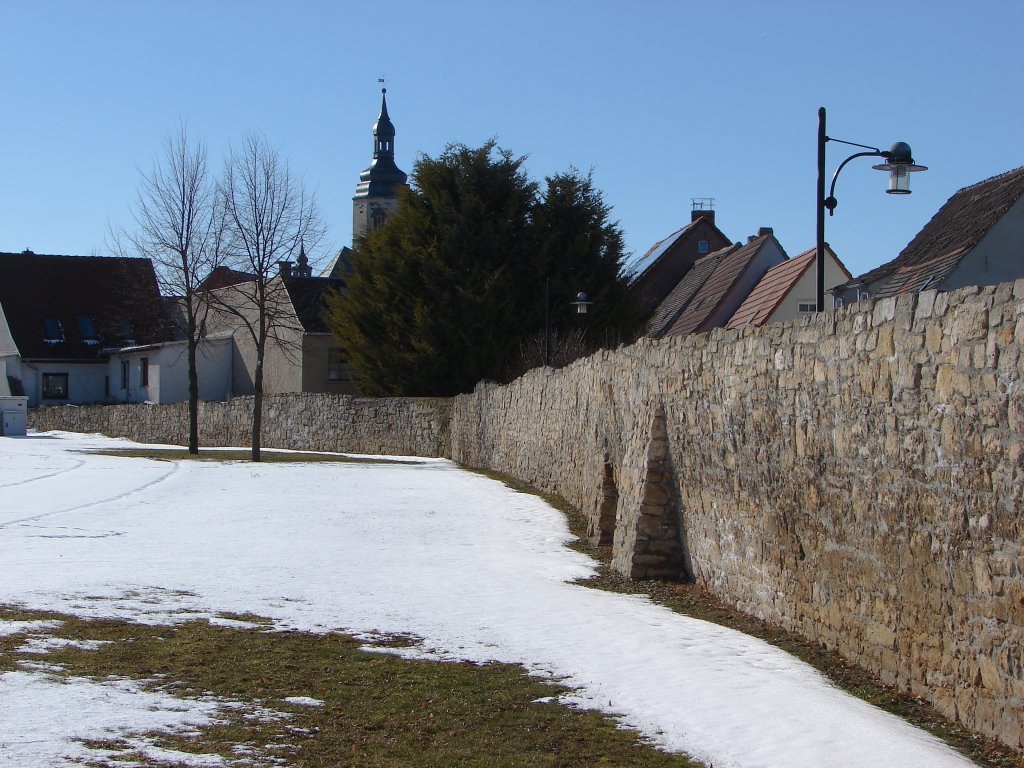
(581, 305)
(899, 162)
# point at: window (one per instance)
(807, 307)
(124, 374)
(337, 368)
(127, 333)
(144, 371)
(55, 386)
(702, 246)
(53, 331)
(87, 330)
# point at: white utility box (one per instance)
(13, 415)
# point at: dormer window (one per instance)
(87, 330)
(127, 333)
(53, 331)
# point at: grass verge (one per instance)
(693, 600)
(378, 709)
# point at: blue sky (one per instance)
(666, 101)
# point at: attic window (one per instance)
(87, 330)
(53, 331)
(702, 246)
(126, 332)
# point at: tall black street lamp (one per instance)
(581, 305)
(898, 162)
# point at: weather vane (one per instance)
(381, 81)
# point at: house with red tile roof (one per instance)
(726, 279)
(976, 238)
(787, 290)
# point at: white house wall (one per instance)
(805, 289)
(86, 382)
(7, 345)
(168, 372)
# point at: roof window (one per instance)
(53, 331)
(127, 333)
(87, 330)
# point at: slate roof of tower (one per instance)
(119, 296)
(957, 227)
(383, 177)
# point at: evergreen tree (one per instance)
(446, 292)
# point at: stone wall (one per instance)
(853, 476)
(312, 422)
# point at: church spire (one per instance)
(377, 192)
(383, 130)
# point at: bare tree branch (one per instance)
(177, 229)
(267, 216)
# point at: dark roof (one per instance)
(657, 250)
(718, 285)
(668, 311)
(341, 267)
(91, 302)
(774, 287)
(309, 297)
(660, 269)
(957, 228)
(222, 277)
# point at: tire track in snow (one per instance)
(116, 497)
(78, 463)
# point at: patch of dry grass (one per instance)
(379, 710)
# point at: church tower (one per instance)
(377, 192)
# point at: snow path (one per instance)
(478, 571)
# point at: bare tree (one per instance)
(268, 217)
(176, 228)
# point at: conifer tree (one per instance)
(447, 291)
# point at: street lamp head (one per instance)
(581, 303)
(899, 162)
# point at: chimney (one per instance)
(702, 208)
(762, 231)
(285, 268)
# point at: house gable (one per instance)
(729, 284)
(963, 224)
(667, 261)
(776, 297)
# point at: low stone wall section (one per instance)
(311, 422)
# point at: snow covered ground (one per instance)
(478, 571)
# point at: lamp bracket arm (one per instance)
(830, 201)
(852, 144)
